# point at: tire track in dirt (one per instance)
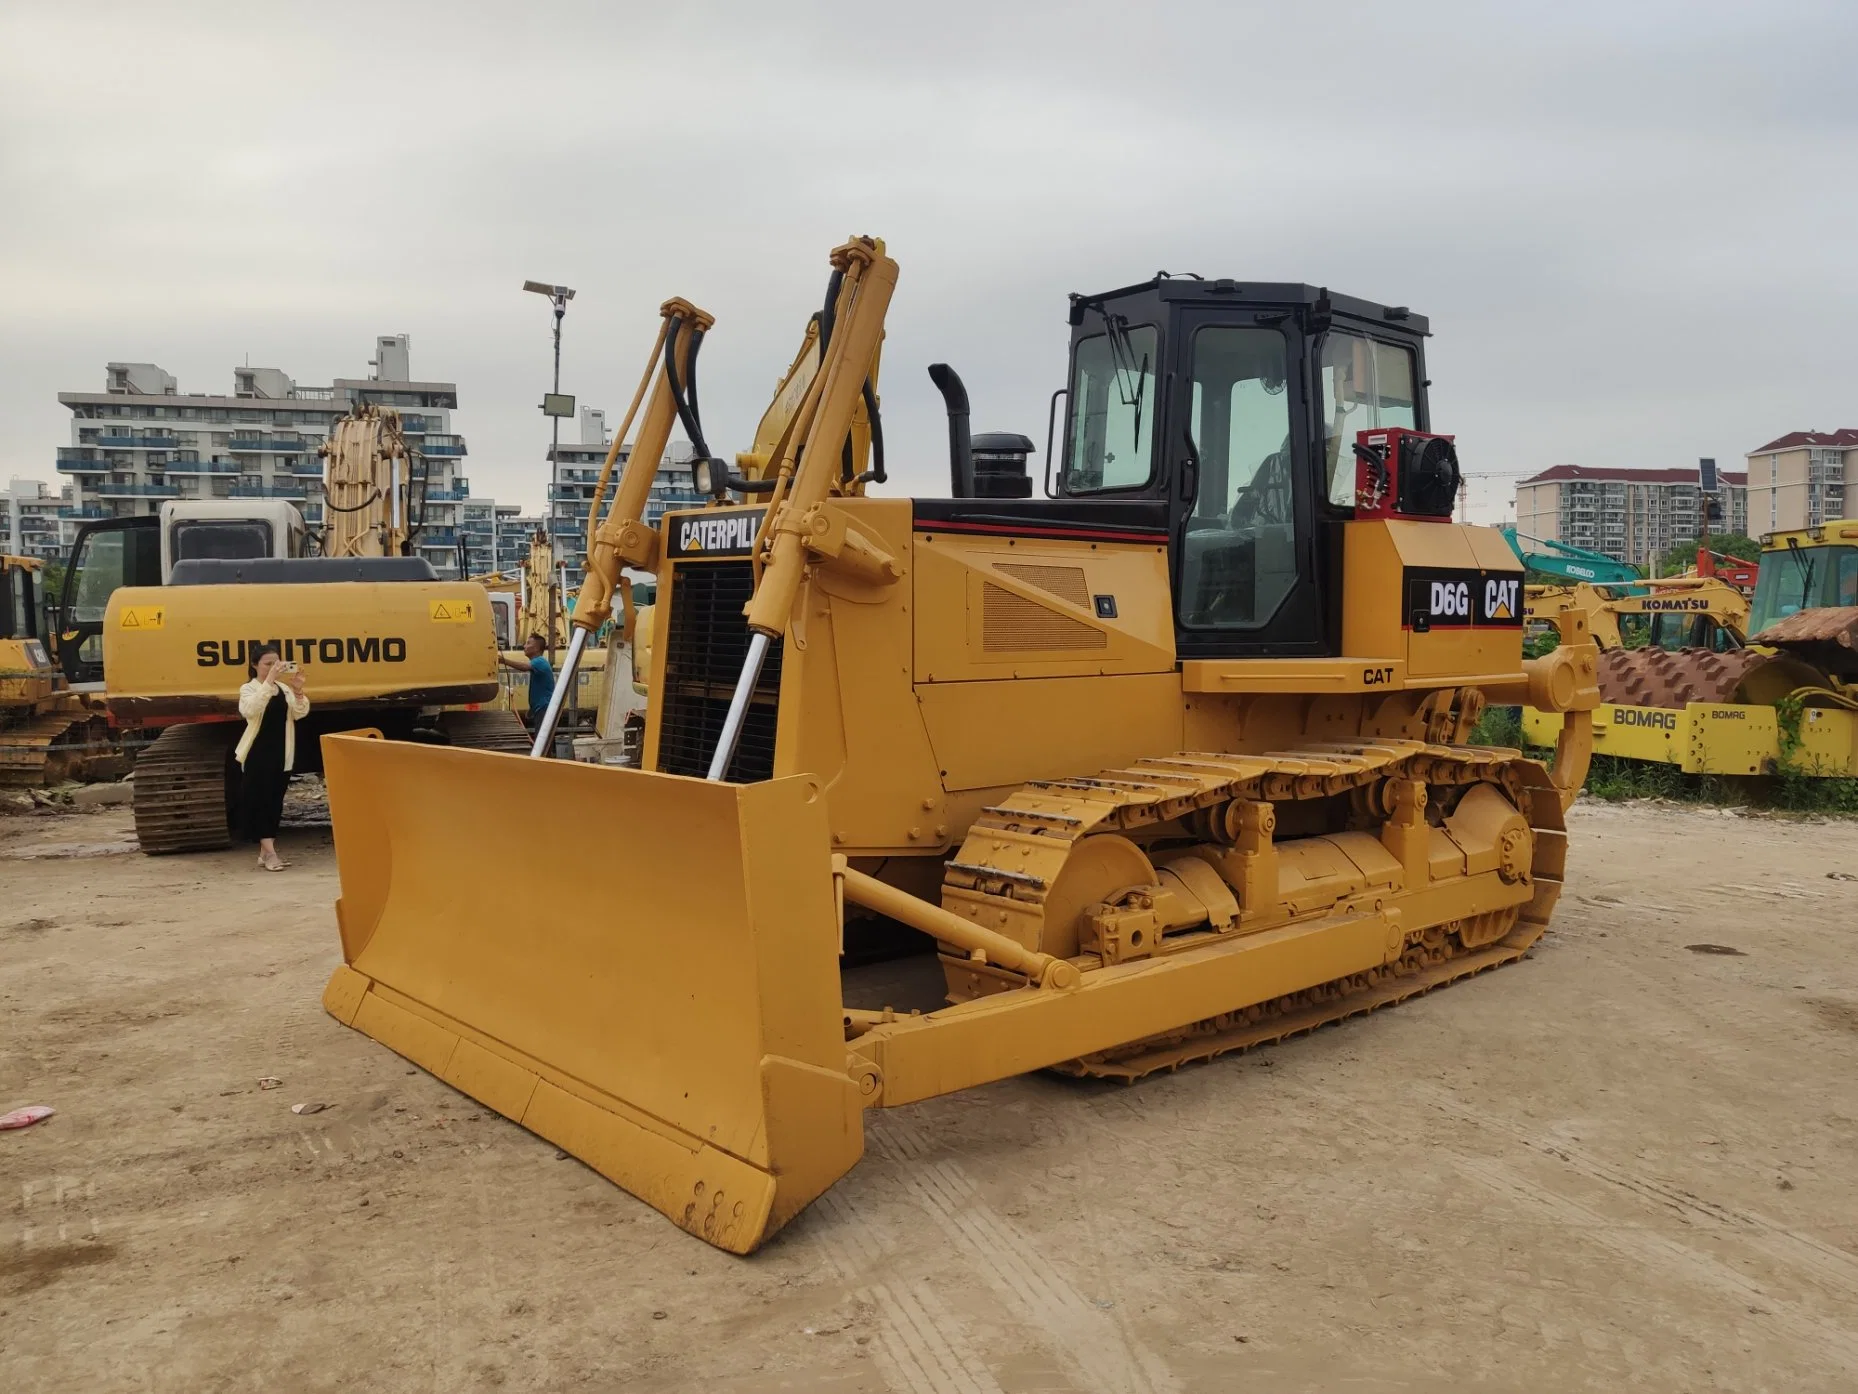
(922, 1343)
(1089, 1343)
(1832, 1267)
(1641, 1244)
(1652, 1248)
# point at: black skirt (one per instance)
(264, 779)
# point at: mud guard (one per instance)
(641, 968)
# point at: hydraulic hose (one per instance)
(874, 475)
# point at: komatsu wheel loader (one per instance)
(183, 603)
(1164, 764)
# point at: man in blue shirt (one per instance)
(535, 663)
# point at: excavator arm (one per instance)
(369, 485)
(757, 464)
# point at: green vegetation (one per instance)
(1499, 726)
(1791, 791)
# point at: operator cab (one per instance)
(1226, 417)
(1811, 569)
(144, 550)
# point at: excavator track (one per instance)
(486, 730)
(181, 796)
(49, 748)
(1014, 853)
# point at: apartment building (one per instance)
(31, 521)
(577, 471)
(1803, 479)
(1632, 515)
(142, 441)
(493, 535)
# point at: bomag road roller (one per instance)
(1165, 763)
(183, 603)
(1730, 686)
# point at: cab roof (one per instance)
(1192, 289)
(1839, 531)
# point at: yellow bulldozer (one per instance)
(383, 643)
(47, 734)
(1166, 763)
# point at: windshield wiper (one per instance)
(1805, 564)
(1122, 362)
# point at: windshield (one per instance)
(1803, 578)
(1112, 411)
(1367, 385)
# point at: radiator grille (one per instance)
(1012, 624)
(705, 643)
(1065, 582)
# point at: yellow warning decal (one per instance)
(142, 616)
(452, 611)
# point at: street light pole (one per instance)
(556, 406)
(560, 298)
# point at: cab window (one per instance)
(1113, 406)
(221, 541)
(1367, 385)
(1239, 548)
(17, 620)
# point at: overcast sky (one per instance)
(1632, 224)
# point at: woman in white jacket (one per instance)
(272, 704)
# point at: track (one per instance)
(181, 796)
(486, 730)
(183, 792)
(50, 748)
(1010, 863)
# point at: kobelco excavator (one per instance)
(1164, 764)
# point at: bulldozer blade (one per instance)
(641, 968)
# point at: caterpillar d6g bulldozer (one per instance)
(1164, 764)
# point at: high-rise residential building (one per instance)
(514, 531)
(1803, 479)
(31, 521)
(141, 441)
(577, 471)
(1632, 515)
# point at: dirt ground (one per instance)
(1630, 1162)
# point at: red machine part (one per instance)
(1733, 570)
(1385, 483)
